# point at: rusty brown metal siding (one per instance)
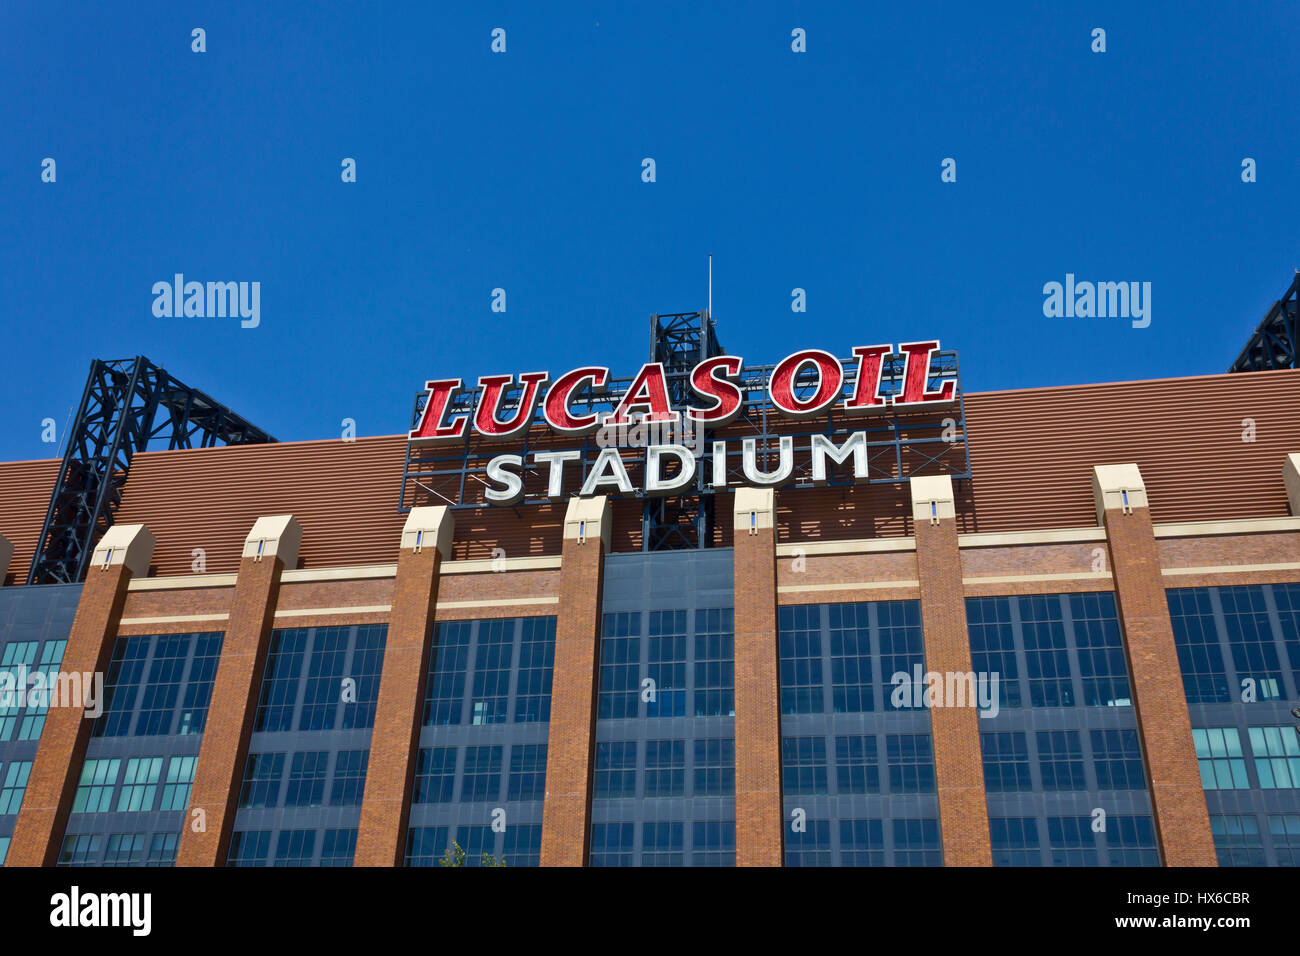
(25, 488)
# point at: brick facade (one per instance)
(958, 765)
(1177, 799)
(52, 783)
(570, 756)
(760, 825)
(218, 773)
(386, 805)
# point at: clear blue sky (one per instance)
(522, 170)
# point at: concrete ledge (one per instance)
(429, 527)
(127, 544)
(589, 519)
(1197, 529)
(274, 535)
(932, 498)
(1117, 486)
(1004, 539)
(857, 546)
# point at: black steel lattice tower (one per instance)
(1273, 343)
(680, 340)
(115, 420)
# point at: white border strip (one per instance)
(1234, 568)
(1195, 529)
(860, 586)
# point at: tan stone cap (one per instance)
(128, 544)
(754, 508)
(432, 526)
(588, 519)
(6, 555)
(1291, 475)
(278, 535)
(1117, 486)
(932, 498)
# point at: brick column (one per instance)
(1173, 774)
(760, 819)
(958, 764)
(271, 547)
(399, 713)
(123, 553)
(571, 746)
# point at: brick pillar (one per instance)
(123, 553)
(958, 764)
(1173, 775)
(271, 547)
(399, 713)
(760, 820)
(571, 746)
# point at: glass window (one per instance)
(176, 789)
(295, 848)
(993, 645)
(15, 785)
(851, 676)
(715, 767)
(862, 843)
(612, 844)
(616, 768)
(715, 694)
(523, 846)
(1237, 840)
(620, 659)
(713, 843)
(1047, 662)
(1006, 762)
(665, 768)
(139, 784)
(262, 776)
(857, 764)
(527, 772)
(661, 844)
(95, 789)
(1218, 751)
(482, 778)
(803, 767)
(448, 660)
(124, 849)
(800, 647)
(435, 775)
(1102, 665)
(81, 849)
(810, 845)
(426, 845)
(1071, 841)
(1205, 681)
(339, 847)
(1277, 757)
(249, 848)
(916, 843)
(911, 763)
(1060, 757)
(1118, 758)
(536, 663)
(667, 664)
(1284, 828)
(349, 778)
(1015, 841)
(491, 699)
(307, 779)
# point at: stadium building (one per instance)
(831, 611)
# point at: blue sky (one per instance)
(522, 170)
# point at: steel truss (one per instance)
(126, 404)
(901, 444)
(1273, 343)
